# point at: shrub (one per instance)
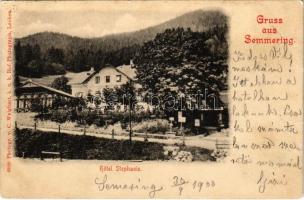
(36, 105)
(60, 115)
(153, 126)
(186, 131)
(99, 122)
(89, 117)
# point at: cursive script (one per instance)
(274, 179)
(105, 185)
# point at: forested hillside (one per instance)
(54, 53)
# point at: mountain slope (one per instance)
(197, 21)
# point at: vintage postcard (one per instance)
(151, 99)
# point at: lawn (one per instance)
(30, 144)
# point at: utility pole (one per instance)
(130, 124)
(182, 120)
(183, 133)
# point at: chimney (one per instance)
(131, 63)
(91, 71)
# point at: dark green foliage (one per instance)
(60, 115)
(110, 97)
(34, 68)
(36, 105)
(61, 102)
(157, 129)
(199, 153)
(84, 147)
(55, 55)
(191, 62)
(53, 69)
(126, 94)
(30, 62)
(67, 112)
(61, 83)
(54, 61)
(17, 82)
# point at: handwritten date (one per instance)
(198, 186)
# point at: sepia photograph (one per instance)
(151, 99)
(121, 85)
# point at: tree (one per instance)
(17, 82)
(55, 55)
(181, 62)
(110, 97)
(61, 83)
(53, 69)
(37, 105)
(18, 56)
(126, 94)
(34, 68)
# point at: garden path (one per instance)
(207, 142)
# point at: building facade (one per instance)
(31, 91)
(106, 77)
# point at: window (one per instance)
(118, 78)
(97, 93)
(107, 79)
(97, 79)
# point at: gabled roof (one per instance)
(73, 77)
(78, 77)
(29, 81)
(45, 80)
(128, 70)
(110, 66)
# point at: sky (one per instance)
(91, 22)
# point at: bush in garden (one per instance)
(59, 102)
(85, 116)
(60, 115)
(92, 116)
(73, 115)
(99, 122)
(153, 126)
(36, 105)
(186, 131)
(219, 154)
(158, 128)
(119, 117)
(45, 115)
(141, 116)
